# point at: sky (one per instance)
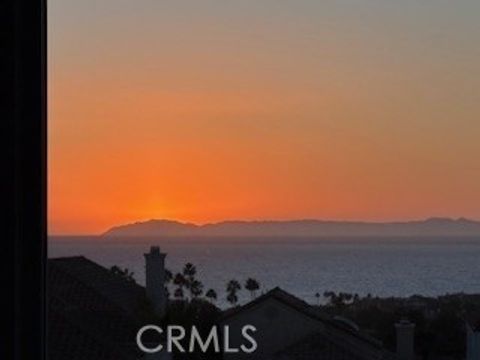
(203, 110)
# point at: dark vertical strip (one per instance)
(24, 187)
(6, 122)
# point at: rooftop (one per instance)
(93, 313)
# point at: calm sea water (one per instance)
(383, 266)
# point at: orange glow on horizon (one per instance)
(126, 163)
(249, 114)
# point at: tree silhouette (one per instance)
(317, 296)
(211, 295)
(356, 298)
(178, 293)
(328, 294)
(189, 270)
(346, 297)
(168, 280)
(233, 286)
(168, 276)
(123, 273)
(340, 300)
(194, 286)
(179, 281)
(232, 298)
(252, 285)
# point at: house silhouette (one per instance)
(94, 314)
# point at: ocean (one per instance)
(303, 266)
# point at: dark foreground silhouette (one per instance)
(95, 312)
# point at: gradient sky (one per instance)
(206, 110)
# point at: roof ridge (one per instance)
(303, 307)
(99, 267)
(58, 258)
(98, 291)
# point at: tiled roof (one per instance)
(125, 294)
(305, 308)
(338, 341)
(89, 314)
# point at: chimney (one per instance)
(405, 334)
(155, 280)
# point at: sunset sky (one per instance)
(207, 110)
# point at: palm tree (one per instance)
(211, 295)
(194, 286)
(317, 295)
(196, 289)
(252, 285)
(179, 281)
(232, 298)
(233, 286)
(189, 270)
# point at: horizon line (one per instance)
(200, 224)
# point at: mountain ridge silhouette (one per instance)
(295, 228)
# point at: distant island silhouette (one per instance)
(298, 228)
